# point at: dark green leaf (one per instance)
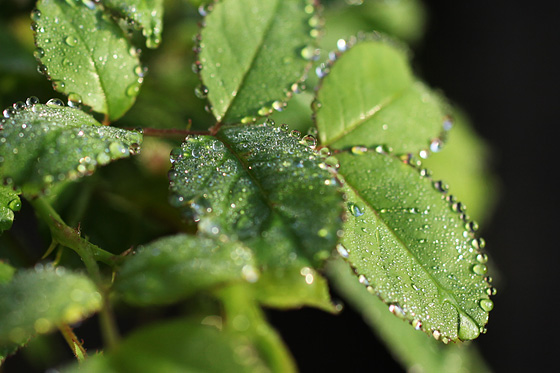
(412, 348)
(37, 301)
(175, 267)
(371, 98)
(252, 52)
(414, 246)
(87, 55)
(148, 14)
(263, 186)
(44, 144)
(9, 203)
(177, 346)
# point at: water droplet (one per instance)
(35, 15)
(309, 53)
(480, 269)
(196, 67)
(297, 88)
(19, 105)
(74, 100)
(467, 328)
(354, 209)
(54, 102)
(39, 53)
(8, 112)
(310, 141)
(71, 40)
(42, 69)
(341, 45)
(478, 243)
(117, 149)
(396, 310)
(359, 150)
(342, 250)
(133, 89)
(436, 145)
(441, 186)
(103, 158)
(278, 105)
(32, 100)
(134, 148)
(201, 91)
(487, 305)
(15, 204)
(284, 127)
(295, 133)
(482, 258)
(416, 324)
(458, 207)
(436, 334)
(472, 226)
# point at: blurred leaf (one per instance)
(9, 203)
(175, 267)
(252, 52)
(413, 349)
(45, 144)
(176, 346)
(148, 14)
(86, 55)
(37, 301)
(370, 98)
(416, 249)
(6, 272)
(263, 186)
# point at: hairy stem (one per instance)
(75, 345)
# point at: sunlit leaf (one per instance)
(413, 245)
(175, 267)
(9, 203)
(45, 144)
(148, 14)
(251, 54)
(37, 301)
(86, 55)
(370, 97)
(264, 187)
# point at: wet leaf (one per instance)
(252, 52)
(37, 301)
(262, 186)
(412, 348)
(370, 97)
(9, 203)
(414, 248)
(45, 144)
(182, 346)
(87, 55)
(148, 14)
(172, 268)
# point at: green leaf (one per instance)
(263, 186)
(87, 55)
(415, 248)
(9, 203)
(6, 272)
(44, 144)
(412, 348)
(252, 52)
(371, 98)
(175, 267)
(148, 14)
(182, 346)
(37, 301)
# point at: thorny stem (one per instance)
(90, 254)
(76, 346)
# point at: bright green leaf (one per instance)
(175, 267)
(9, 203)
(87, 55)
(371, 98)
(415, 248)
(148, 14)
(37, 301)
(177, 346)
(44, 144)
(264, 187)
(412, 348)
(252, 52)
(6, 272)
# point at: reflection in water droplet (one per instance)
(342, 250)
(32, 100)
(54, 102)
(354, 209)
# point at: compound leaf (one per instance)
(370, 98)
(262, 186)
(182, 346)
(86, 55)
(37, 301)
(413, 247)
(175, 267)
(148, 14)
(44, 144)
(252, 52)
(9, 203)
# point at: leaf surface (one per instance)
(370, 98)
(44, 144)
(263, 186)
(36, 301)
(148, 14)
(9, 203)
(87, 55)
(414, 248)
(175, 267)
(252, 52)
(182, 346)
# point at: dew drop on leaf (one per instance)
(54, 102)
(487, 305)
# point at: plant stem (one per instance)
(77, 349)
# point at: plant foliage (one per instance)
(258, 213)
